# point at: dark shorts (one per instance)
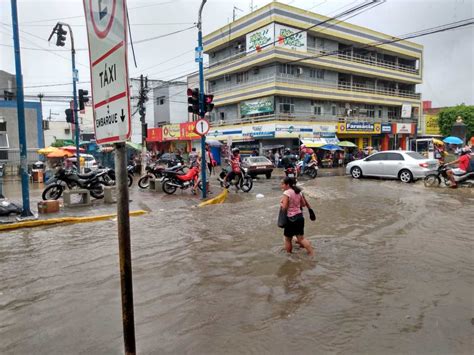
(231, 176)
(294, 228)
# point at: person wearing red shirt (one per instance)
(235, 167)
(463, 166)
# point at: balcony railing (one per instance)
(308, 117)
(291, 79)
(366, 60)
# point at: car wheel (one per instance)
(405, 176)
(356, 172)
(268, 175)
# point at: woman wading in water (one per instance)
(293, 202)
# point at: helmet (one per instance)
(302, 146)
(465, 151)
(235, 150)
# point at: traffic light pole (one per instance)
(26, 212)
(201, 103)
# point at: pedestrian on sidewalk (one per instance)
(293, 202)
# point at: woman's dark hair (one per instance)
(292, 183)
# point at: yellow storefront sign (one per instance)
(431, 125)
(358, 128)
(171, 132)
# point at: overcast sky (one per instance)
(448, 57)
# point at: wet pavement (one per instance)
(393, 273)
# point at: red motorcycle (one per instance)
(177, 179)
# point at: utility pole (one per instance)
(201, 101)
(142, 99)
(26, 212)
(234, 15)
(58, 29)
(40, 96)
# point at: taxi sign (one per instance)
(202, 127)
(107, 35)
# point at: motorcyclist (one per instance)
(463, 166)
(288, 160)
(235, 166)
(305, 155)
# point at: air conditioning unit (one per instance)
(238, 46)
(256, 71)
(299, 71)
(227, 78)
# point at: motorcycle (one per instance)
(155, 172)
(311, 169)
(174, 179)
(435, 179)
(243, 180)
(63, 179)
(109, 178)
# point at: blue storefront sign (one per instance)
(386, 128)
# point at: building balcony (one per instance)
(367, 61)
(338, 61)
(293, 86)
(308, 117)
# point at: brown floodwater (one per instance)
(393, 273)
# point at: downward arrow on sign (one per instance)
(122, 116)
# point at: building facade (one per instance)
(274, 78)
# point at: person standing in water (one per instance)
(293, 202)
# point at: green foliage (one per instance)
(447, 117)
(58, 143)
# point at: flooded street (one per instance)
(393, 273)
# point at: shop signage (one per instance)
(257, 106)
(186, 131)
(325, 128)
(154, 135)
(293, 131)
(224, 133)
(406, 111)
(403, 128)
(431, 125)
(260, 38)
(386, 128)
(291, 38)
(259, 131)
(171, 132)
(359, 127)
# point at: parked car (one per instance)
(258, 166)
(90, 163)
(166, 158)
(404, 165)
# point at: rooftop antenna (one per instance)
(251, 5)
(234, 13)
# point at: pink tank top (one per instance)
(294, 203)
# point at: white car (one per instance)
(90, 163)
(399, 164)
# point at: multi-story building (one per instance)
(277, 76)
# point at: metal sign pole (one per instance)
(125, 255)
(201, 104)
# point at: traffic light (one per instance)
(61, 39)
(69, 115)
(193, 101)
(83, 98)
(208, 105)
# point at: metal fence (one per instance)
(11, 159)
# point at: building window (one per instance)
(370, 110)
(242, 77)
(318, 110)
(380, 113)
(320, 73)
(333, 110)
(392, 112)
(287, 105)
(160, 100)
(222, 115)
(3, 126)
(287, 69)
(3, 141)
(228, 77)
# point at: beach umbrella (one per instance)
(347, 144)
(47, 150)
(59, 153)
(331, 147)
(452, 140)
(72, 148)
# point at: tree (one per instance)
(447, 117)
